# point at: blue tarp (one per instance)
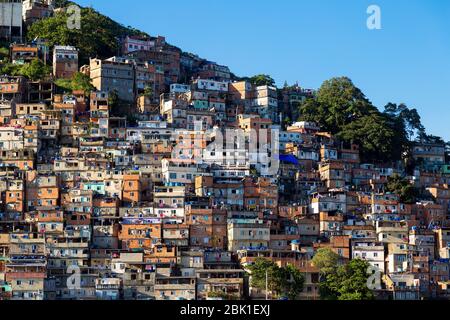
(289, 158)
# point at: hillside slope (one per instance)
(96, 38)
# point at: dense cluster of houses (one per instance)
(178, 202)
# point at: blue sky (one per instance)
(309, 41)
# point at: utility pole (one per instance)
(267, 285)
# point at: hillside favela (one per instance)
(131, 169)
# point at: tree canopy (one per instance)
(35, 70)
(337, 103)
(261, 80)
(10, 69)
(407, 192)
(431, 139)
(409, 119)
(295, 282)
(375, 135)
(342, 282)
(286, 281)
(97, 36)
(347, 282)
(260, 269)
(342, 109)
(4, 53)
(79, 81)
(325, 260)
(148, 92)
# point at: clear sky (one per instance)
(309, 41)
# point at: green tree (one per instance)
(326, 260)
(276, 280)
(148, 92)
(10, 69)
(62, 3)
(65, 84)
(98, 36)
(35, 70)
(374, 135)
(429, 138)
(287, 281)
(407, 125)
(410, 118)
(347, 282)
(262, 80)
(79, 81)
(338, 103)
(309, 109)
(342, 109)
(4, 54)
(407, 192)
(295, 282)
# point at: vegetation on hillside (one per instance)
(339, 107)
(343, 110)
(325, 260)
(347, 282)
(259, 80)
(342, 282)
(282, 282)
(62, 3)
(79, 81)
(97, 37)
(4, 54)
(35, 70)
(407, 192)
(5, 66)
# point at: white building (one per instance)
(289, 137)
(328, 203)
(305, 126)
(247, 234)
(132, 44)
(179, 171)
(212, 85)
(11, 138)
(371, 252)
(266, 103)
